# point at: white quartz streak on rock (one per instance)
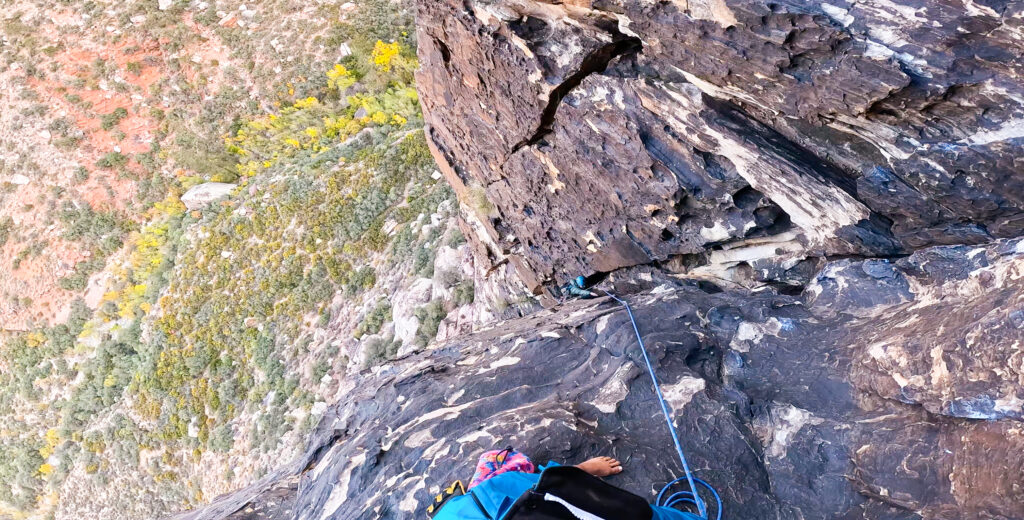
(818, 208)
(680, 394)
(1009, 130)
(788, 420)
(614, 391)
(340, 491)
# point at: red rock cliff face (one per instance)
(613, 133)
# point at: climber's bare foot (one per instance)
(601, 466)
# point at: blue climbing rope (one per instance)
(680, 497)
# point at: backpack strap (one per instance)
(454, 490)
(569, 493)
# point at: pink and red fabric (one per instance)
(494, 463)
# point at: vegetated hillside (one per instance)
(109, 106)
(160, 350)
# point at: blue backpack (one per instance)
(557, 493)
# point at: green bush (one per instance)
(375, 319)
(430, 316)
(6, 229)
(379, 350)
(222, 439)
(455, 239)
(33, 250)
(75, 282)
(320, 370)
(464, 293)
(112, 160)
(67, 135)
(363, 278)
(83, 270)
(109, 121)
(449, 277)
(423, 262)
(19, 470)
(103, 232)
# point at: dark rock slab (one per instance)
(889, 391)
(611, 133)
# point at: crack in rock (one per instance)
(595, 63)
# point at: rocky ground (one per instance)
(890, 390)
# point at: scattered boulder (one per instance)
(231, 20)
(403, 309)
(198, 197)
(448, 271)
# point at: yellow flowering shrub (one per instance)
(50, 441)
(384, 55)
(149, 249)
(340, 78)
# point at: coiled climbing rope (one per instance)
(666, 499)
